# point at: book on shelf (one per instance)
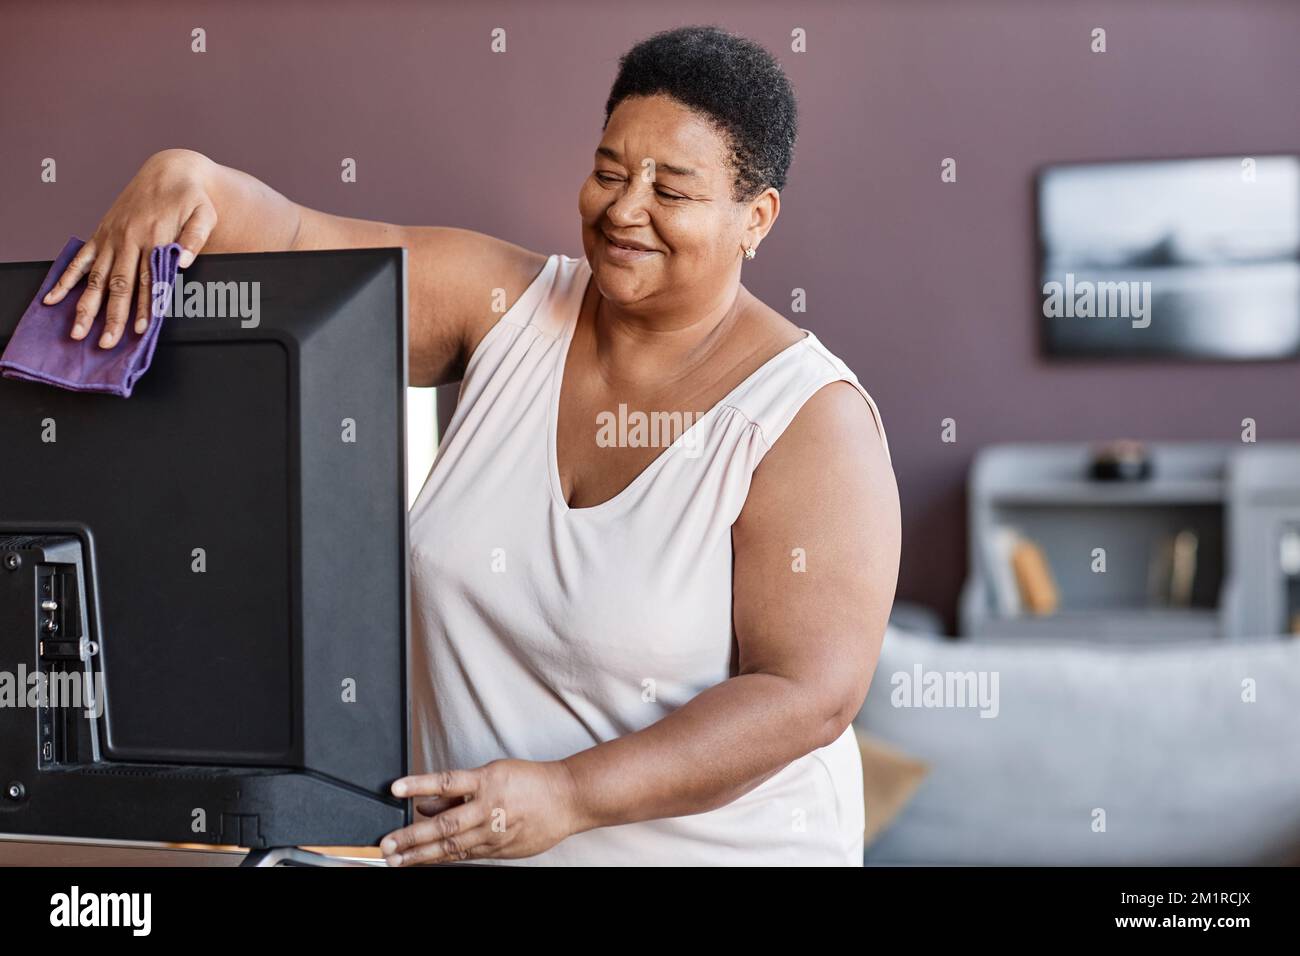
(1038, 591)
(1171, 575)
(1021, 575)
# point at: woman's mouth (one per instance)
(620, 253)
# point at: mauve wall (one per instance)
(926, 289)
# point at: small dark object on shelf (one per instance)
(1122, 460)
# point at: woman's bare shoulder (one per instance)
(461, 283)
(485, 267)
(505, 270)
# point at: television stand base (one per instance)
(294, 856)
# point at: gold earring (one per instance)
(750, 252)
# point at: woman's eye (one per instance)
(608, 178)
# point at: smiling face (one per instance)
(661, 182)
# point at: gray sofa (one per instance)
(1156, 736)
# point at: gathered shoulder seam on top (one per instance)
(733, 407)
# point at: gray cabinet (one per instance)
(1236, 506)
(1263, 595)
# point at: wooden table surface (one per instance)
(16, 851)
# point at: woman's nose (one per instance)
(628, 208)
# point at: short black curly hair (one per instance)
(733, 83)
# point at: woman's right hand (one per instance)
(167, 201)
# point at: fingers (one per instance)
(445, 826)
(473, 844)
(444, 783)
(72, 274)
(144, 295)
(88, 304)
(195, 232)
(121, 289)
(432, 806)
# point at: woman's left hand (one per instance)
(505, 809)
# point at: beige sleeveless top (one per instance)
(540, 630)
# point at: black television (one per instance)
(220, 560)
(1178, 258)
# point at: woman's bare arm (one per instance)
(453, 276)
(458, 280)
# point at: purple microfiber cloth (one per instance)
(40, 349)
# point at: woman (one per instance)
(625, 651)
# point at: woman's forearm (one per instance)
(720, 745)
